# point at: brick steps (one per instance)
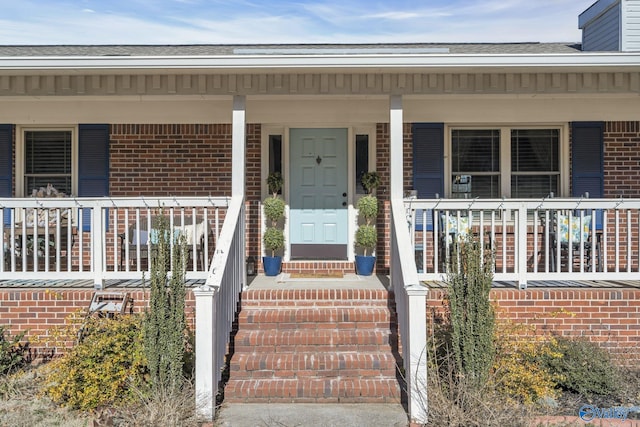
(375, 340)
(315, 318)
(314, 345)
(313, 390)
(292, 366)
(318, 267)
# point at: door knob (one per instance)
(344, 194)
(344, 203)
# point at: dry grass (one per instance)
(22, 406)
(161, 407)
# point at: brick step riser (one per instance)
(313, 390)
(258, 338)
(318, 267)
(316, 374)
(342, 304)
(312, 294)
(257, 326)
(314, 348)
(309, 361)
(305, 315)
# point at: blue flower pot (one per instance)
(271, 265)
(365, 264)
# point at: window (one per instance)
(505, 162)
(275, 155)
(475, 163)
(535, 167)
(362, 160)
(47, 160)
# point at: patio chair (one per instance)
(454, 229)
(142, 239)
(567, 231)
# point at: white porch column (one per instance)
(238, 136)
(417, 342)
(206, 384)
(396, 145)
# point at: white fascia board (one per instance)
(313, 62)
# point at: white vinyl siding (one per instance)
(631, 31)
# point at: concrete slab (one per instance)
(311, 414)
(349, 281)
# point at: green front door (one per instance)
(318, 194)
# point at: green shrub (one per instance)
(472, 317)
(103, 368)
(274, 182)
(370, 181)
(13, 353)
(366, 237)
(273, 239)
(165, 325)
(273, 209)
(368, 208)
(583, 367)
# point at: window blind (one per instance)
(47, 160)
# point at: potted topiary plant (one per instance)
(367, 235)
(273, 236)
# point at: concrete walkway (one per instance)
(311, 414)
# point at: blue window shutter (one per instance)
(93, 164)
(587, 161)
(6, 166)
(428, 162)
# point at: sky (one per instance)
(98, 22)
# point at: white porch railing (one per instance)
(410, 298)
(528, 238)
(216, 305)
(102, 238)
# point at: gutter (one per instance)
(598, 61)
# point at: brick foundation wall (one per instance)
(610, 317)
(41, 311)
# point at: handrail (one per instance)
(410, 297)
(226, 239)
(216, 305)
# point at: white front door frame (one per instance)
(352, 197)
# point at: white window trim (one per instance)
(505, 153)
(20, 155)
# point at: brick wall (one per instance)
(610, 317)
(41, 311)
(622, 159)
(170, 160)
